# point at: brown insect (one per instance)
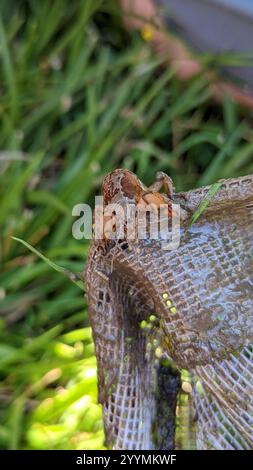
(123, 186)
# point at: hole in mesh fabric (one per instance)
(101, 295)
(130, 425)
(107, 298)
(123, 244)
(112, 399)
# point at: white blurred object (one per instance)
(215, 26)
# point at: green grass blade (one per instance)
(76, 279)
(215, 168)
(203, 205)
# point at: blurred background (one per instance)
(80, 96)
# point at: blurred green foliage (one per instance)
(79, 97)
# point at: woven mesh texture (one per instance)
(202, 297)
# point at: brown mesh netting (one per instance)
(200, 300)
